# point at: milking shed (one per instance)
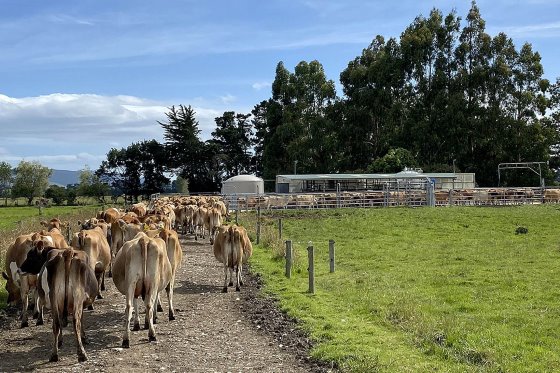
(360, 182)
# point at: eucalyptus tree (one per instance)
(298, 126)
(232, 136)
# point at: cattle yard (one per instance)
(412, 195)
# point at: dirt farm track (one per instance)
(213, 332)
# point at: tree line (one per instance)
(445, 96)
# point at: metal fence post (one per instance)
(311, 269)
(331, 255)
(289, 258)
(280, 228)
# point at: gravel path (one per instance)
(213, 332)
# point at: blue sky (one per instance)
(80, 77)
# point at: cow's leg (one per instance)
(98, 277)
(159, 306)
(169, 290)
(237, 277)
(238, 280)
(40, 307)
(230, 277)
(224, 290)
(136, 326)
(24, 302)
(57, 331)
(35, 296)
(78, 330)
(128, 315)
(150, 303)
(102, 281)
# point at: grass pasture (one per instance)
(425, 289)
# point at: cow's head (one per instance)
(12, 288)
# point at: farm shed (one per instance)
(243, 184)
(357, 182)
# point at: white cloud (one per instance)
(260, 85)
(68, 131)
(228, 99)
(550, 29)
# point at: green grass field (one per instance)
(426, 289)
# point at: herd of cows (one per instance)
(139, 249)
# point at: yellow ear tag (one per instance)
(146, 227)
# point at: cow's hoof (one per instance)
(152, 338)
(82, 358)
(53, 358)
(110, 274)
(237, 288)
(136, 327)
(159, 308)
(171, 317)
(224, 290)
(90, 307)
(126, 343)
(230, 284)
(99, 296)
(39, 322)
(24, 324)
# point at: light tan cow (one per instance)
(94, 243)
(232, 248)
(67, 284)
(141, 268)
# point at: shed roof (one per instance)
(400, 175)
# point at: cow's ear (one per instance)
(79, 222)
(44, 223)
(5, 275)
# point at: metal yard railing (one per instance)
(411, 195)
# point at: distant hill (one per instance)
(64, 177)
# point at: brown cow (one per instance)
(141, 268)
(19, 286)
(67, 284)
(94, 243)
(232, 248)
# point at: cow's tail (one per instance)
(144, 244)
(67, 255)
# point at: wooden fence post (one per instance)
(331, 255)
(311, 269)
(258, 224)
(289, 258)
(280, 228)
